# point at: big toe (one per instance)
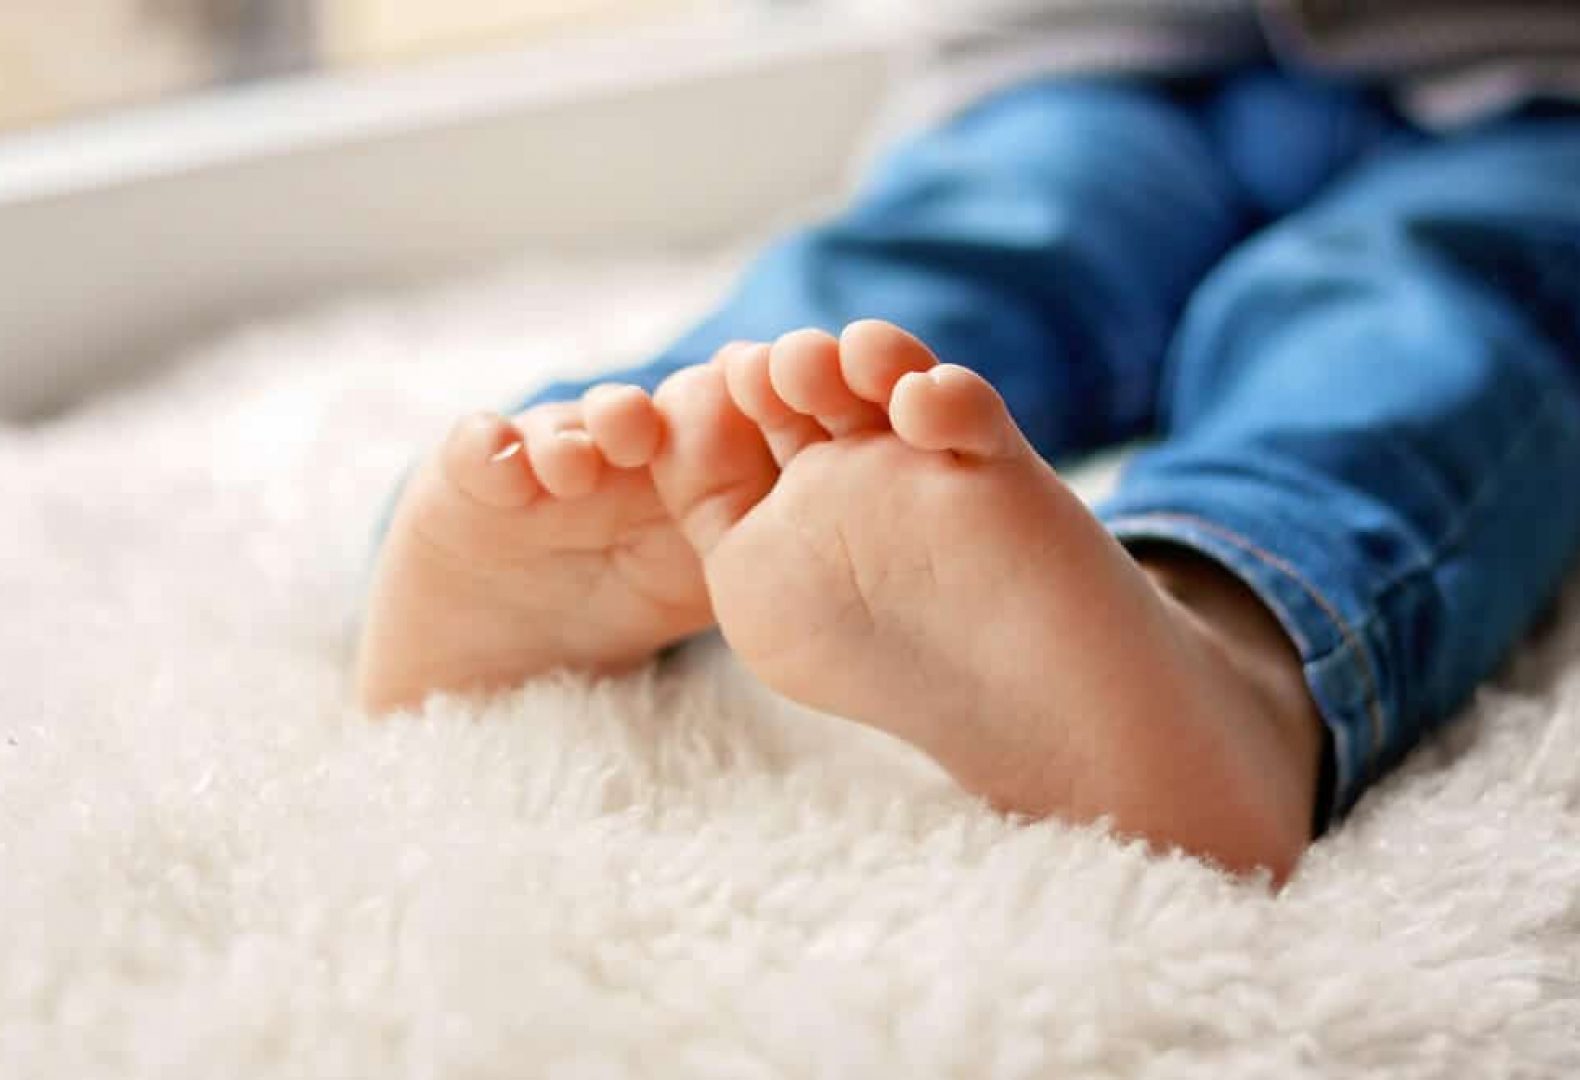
(714, 465)
(953, 408)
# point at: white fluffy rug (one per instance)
(210, 868)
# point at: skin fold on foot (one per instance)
(531, 544)
(882, 543)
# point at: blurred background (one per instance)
(65, 58)
(172, 169)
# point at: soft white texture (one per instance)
(210, 868)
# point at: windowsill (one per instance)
(124, 238)
(294, 113)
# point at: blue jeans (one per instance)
(1357, 347)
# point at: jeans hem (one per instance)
(1356, 723)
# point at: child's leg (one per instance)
(1374, 420)
(1367, 491)
(928, 574)
(1050, 236)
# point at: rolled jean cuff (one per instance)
(1341, 666)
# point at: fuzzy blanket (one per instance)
(211, 867)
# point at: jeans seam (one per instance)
(1352, 642)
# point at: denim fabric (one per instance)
(1357, 345)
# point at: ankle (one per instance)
(1247, 638)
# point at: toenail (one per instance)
(574, 435)
(508, 452)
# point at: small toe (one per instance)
(485, 458)
(804, 370)
(623, 423)
(746, 376)
(563, 455)
(713, 465)
(874, 355)
(953, 408)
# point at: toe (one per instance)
(485, 458)
(804, 370)
(623, 423)
(746, 375)
(874, 356)
(713, 465)
(953, 408)
(563, 455)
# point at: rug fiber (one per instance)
(211, 867)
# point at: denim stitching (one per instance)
(1352, 642)
(1422, 570)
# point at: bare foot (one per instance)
(528, 545)
(919, 568)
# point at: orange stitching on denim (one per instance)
(1351, 640)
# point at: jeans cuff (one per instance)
(1340, 670)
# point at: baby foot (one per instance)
(538, 543)
(917, 567)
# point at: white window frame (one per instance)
(123, 237)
